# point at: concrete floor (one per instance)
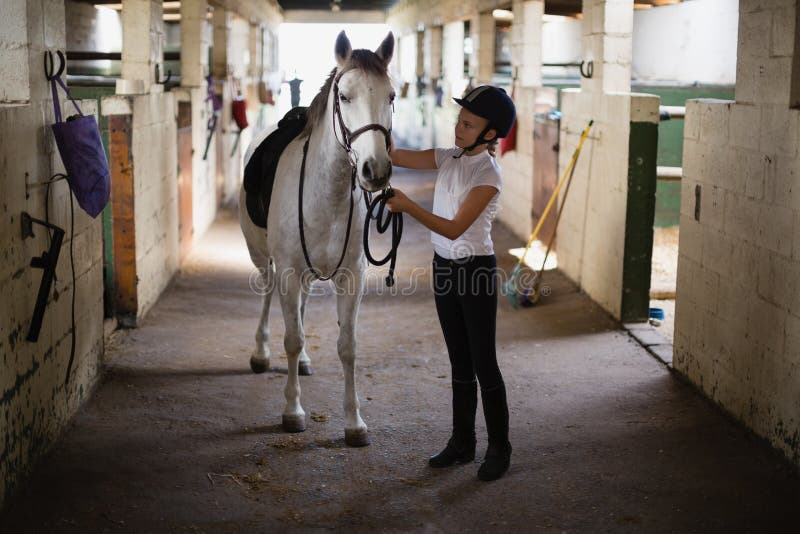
(182, 437)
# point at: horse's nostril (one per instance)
(367, 170)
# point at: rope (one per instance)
(382, 223)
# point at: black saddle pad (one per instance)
(259, 173)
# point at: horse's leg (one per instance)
(304, 366)
(259, 361)
(348, 301)
(294, 418)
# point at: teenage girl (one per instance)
(468, 185)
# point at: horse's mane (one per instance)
(363, 59)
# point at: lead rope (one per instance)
(396, 221)
(300, 211)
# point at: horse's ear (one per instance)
(343, 49)
(386, 49)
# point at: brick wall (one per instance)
(14, 84)
(156, 194)
(737, 326)
(34, 402)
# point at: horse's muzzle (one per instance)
(376, 174)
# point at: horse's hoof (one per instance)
(304, 369)
(356, 437)
(259, 365)
(294, 423)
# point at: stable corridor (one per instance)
(180, 435)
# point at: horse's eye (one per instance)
(391, 98)
(344, 98)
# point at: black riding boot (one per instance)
(498, 454)
(460, 448)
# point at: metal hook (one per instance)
(49, 65)
(158, 76)
(589, 69)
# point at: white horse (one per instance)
(346, 139)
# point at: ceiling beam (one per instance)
(345, 16)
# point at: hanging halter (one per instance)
(348, 137)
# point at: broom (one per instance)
(511, 286)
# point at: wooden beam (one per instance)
(123, 217)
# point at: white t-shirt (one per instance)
(455, 179)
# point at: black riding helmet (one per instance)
(493, 104)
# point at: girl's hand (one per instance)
(399, 202)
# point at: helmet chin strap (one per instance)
(476, 144)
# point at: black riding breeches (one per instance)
(466, 301)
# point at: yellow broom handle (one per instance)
(554, 196)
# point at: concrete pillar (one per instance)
(14, 74)
(222, 24)
(481, 61)
(768, 65)
(194, 43)
(239, 54)
(453, 52)
(432, 47)
(271, 53)
(408, 57)
(526, 39)
(607, 41)
(142, 46)
(256, 52)
(420, 70)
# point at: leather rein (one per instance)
(348, 137)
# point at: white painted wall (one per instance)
(239, 47)
(155, 163)
(14, 85)
(561, 43)
(737, 323)
(408, 59)
(694, 41)
(35, 404)
(453, 58)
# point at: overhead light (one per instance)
(637, 5)
(503, 14)
(336, 5)
(666, 2)
(171, 17)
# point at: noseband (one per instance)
(396, 219)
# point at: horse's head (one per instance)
(362, 107)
